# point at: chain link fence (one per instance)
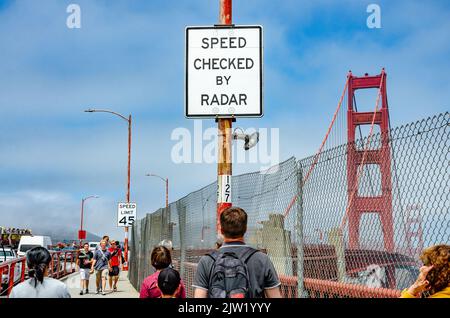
(304, 226)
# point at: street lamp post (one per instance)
(128, 120)
(82, 212)
(166, 180)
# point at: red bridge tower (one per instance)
(381, 204)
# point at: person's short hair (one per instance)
(168, 281)
(86, 244)
(160, 257)
(439, 275)
(105, 238)
(102, 241)
(233, 222)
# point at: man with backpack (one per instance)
(101, 266)
(249, 272)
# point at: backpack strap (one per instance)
(244, 256)
(213, 255)
(248, 253)
(104, 258)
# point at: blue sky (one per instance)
(129, 56)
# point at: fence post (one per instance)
(182, 217)
(145, 248)
(132, 264)
(301, 292)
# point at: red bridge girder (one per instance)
(380, 204)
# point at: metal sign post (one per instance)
(224, 80)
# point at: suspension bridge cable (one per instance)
(402, 214)
(317, 156)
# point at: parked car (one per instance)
(366, 267)
(28, 242)
(8, 254)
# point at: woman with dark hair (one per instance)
(39, 285)
(161, 259)
(434, 277)
(169, 283)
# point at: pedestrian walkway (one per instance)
(125, 289)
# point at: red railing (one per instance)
(8, 274)
(316, 288)
(319, 288)
(62, 264)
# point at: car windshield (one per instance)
(27, 247)
(93, 245)
(5, 253)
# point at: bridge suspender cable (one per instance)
(317, 156)
(361, 166)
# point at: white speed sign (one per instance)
(126, 214)
(224, 71)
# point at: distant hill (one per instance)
(63, 235)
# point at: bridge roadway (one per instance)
(124, 287)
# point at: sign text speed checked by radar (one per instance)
(224, 71)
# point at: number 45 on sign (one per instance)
(126, 214)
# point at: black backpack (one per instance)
(229, 277)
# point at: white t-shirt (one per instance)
(50, 288)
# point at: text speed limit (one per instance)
(126, 214)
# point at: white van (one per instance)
(93, 246)
(28, 242)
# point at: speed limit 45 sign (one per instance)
(126, 214)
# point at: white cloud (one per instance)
(47, 210)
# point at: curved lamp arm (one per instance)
(155, 175)
(106, 111)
